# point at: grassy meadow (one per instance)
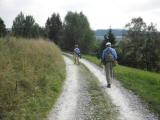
(32, 73)
(143, 83)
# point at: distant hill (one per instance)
(117, 32)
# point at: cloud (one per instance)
(9, 9)
(144, 6)
(100, 13)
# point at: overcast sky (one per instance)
(100, 13)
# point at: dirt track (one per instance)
(130, 106)
(75, 102)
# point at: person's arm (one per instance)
(79, 51)
(114, 54)
(103, 55)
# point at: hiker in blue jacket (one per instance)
(77, 54)
(109, 57)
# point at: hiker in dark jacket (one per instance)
(109, 57)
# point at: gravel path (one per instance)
(82, 97)
(66, 105)
(130, 106)
(82, 100)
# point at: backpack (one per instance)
(77, 51)
(109, 57)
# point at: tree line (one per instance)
(74, 30)
(139, 47)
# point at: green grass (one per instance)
(143, 83)
(92, 59)
(32, 73)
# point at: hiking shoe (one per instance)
(108, 85)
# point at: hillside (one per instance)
(31, 78)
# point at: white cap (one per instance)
(108, 44)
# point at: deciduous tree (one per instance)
(25, 26)
(140, 47)
(77, 31)
(54, 28)
(18, 25)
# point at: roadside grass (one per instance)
(32, 73)
(92, 59)
(143, 83)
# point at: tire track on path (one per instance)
(66, 104)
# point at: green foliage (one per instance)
(140, 47)
(31, 78)
(18, 25)
(108, 37)
(77, 31)
(102, 47)
(26, 27)
(95, 48)
(54, 28)
(2, 28)
(143, 83)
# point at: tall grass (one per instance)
(143, 83)
(31, 78)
